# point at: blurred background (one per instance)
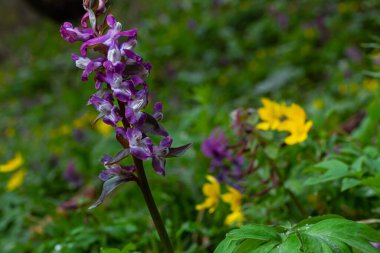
(209, 58)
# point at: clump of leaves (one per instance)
(323, 234)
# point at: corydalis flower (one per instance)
(215, 146)
(225, 163)
(106, 109)
(122, 93)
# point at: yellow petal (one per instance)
(12, 164)
(211, 191)
(236, 217)
(233, 198)
(16, 180)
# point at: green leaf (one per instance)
(324, 234)
(226, 246)
(348, 183)
(372, 181)
(312, 220)
(247, 246)
(128, 248)
(271, 151)
(336, 231)
(110, 250)
(334, 169)
(258, 232)
(266, 247)
(291, 244)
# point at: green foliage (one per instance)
(209, 58)
(324, 234)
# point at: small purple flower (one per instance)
(106, 109)
(72, 175)
(160, 153)
(215, 146)
(73, 34)
(87, 64)
(114, 169)
(110, 37)
(140, 146)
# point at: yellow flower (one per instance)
(295, 123)
(235, 217)
(16, 180)
(298, 132)
(12, 164)
(211, 191)
(233, 198)
(271, 114)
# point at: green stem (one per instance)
(145, 189)
(142, 182)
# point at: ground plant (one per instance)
(270, 140)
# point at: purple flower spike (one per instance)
(216, 146)
(139, 147)
(73, 34)
(122, 92)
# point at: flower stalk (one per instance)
(155, 214)
(122, 95)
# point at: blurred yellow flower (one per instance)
(233, 198)
(16, 180)
(103, 128)
(271, 114)
(298, 132)
(12, 164)
(211, 191)
(280, 117)
(235, 217)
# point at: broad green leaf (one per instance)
(348, 183)
(338, 230)
(327, 165)
(266, 247)
(291, 244)
(372, 181)
(325, 234)
(258, 232)
(334, 169)
(248, 245)
(312, 220)
(226, 246)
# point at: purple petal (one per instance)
(158, 165)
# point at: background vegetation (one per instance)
(209, 58)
